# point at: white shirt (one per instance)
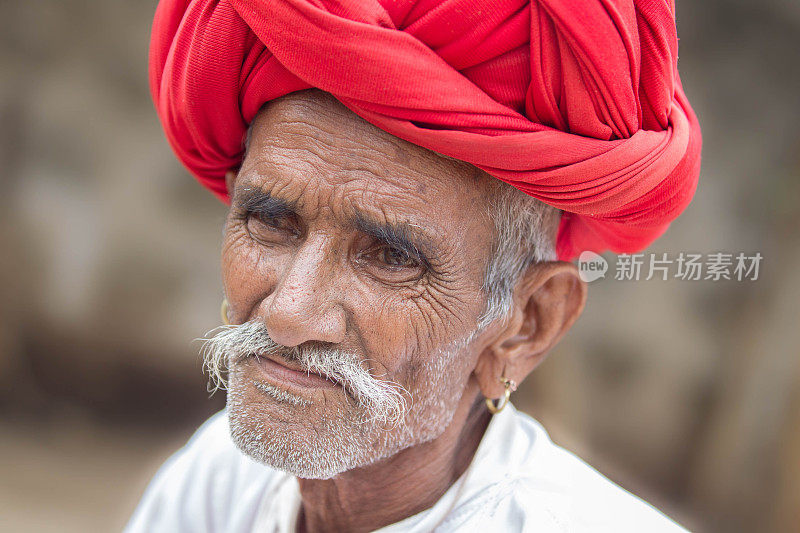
(518, 481)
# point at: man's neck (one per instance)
(368, 498)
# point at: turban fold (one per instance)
(575, 102)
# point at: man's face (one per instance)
(342, 237)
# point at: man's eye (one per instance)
(395, 257)
(393, 265)
(263, 227)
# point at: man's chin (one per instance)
(316, 441)
(287, 457)
(302, 449)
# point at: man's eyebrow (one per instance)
(400, 235)
(261, 203)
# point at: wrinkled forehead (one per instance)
(311, 148)
(318, 115)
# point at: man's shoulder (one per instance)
(588, 499)
(204, 486)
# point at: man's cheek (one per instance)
(408, 343)
(249, 274)
(434, 320)
(237, 252)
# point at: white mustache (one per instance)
(382, 399)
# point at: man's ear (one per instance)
(230, 177)
(547, 300)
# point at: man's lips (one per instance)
(280, 370)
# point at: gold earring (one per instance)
(510, 386)
(223, 311)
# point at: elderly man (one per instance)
(411, 174)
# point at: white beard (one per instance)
(344, 436)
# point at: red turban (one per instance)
(575, 102)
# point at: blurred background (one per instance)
(685, 392)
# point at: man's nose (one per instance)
(305, 305)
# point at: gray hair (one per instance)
(525, 234)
